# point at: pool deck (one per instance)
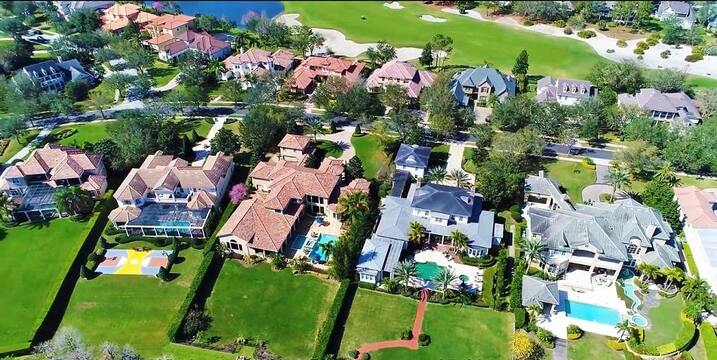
(308, 227)
(588, 293)
(474, 274)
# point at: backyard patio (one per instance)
(431, 260)
(311, 232)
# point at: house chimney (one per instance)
(541, 173)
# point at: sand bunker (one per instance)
(431, 18)
(393, 5)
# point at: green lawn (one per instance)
(185, 352)
(35, 259)
(14, 145)
(83, 133)
(276, 306)
(330, 148)
(638, 186)
(592, 346)
(371, 154)
(199, 125)
(131, 309)
(439, 155)
(375, 317)
(161, 73)
(572, 176)
(468, 164)
(690, 259)
(457, 332)
(474, 42)
(664, 321)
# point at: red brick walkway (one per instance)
(408, 344)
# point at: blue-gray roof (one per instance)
(380, 254)
(414, 156)
(445, 199)
(400, 180)
(538, 292)
(473, 78)
(397, 214)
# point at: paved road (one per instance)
(594, 153)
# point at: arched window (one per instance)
(234, 245)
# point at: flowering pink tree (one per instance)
(237, 193)
(156, 5)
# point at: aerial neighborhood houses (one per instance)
(53, 75)
(564, 91)
(682, 10)
(675, 108)
(167, 196)
(257, 62)
(698, 212)
(413, 159)
(315, 69)
(31, 184)
(400, 73)
(65, 8)
(476, 87)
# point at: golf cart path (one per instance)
(408, 344)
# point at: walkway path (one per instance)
(202, 148)
(343, 139)
(408, 344)
(455, 160)
(560, 352)
(168, 86)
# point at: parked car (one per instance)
(41, 39)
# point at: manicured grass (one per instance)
(573, 176)
(35, 259)
(330, 148)
(468, 164)
(638, 186)
(664, 321)
(473, 41)
(185, 352)
(439, 155)
(276, 306)
(14, 146)
(161, 73)
(130, 309)
(199, 125)
(453, 330)
(371, 154)
(690, 259)
(85, 133)
(592, 346)
(376, 316)
(233, 127)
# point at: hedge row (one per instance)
(327, 329)
(210, 258)
(488, 278)
(709, 338)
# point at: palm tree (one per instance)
(532, 248)
(5, 206)
(693, 287)
(445, 277)
(245, 40)
(327, 248)
(459, 240)
(315, 125)
(620, 179)
(666, 174)
(415, 232)
(460, 177)
(673, 275)
(277, 260)
(623, 328)
(405, 270)
(534, 309)
(352, 205)
(73, 200)
(100, 101)
(648, 271)
(436, 175)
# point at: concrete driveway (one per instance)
(593, 192)
(343, 139)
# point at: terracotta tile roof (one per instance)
(174, 48)
(13, 172)
(260, 227)
(296, 142)
(314, 66)
(203, 42)
(59, 162)
(257, 56)
(283, 58)
(355, 185)
(161, 39)
(201, 200)
(124, 214)
(698, 206)
(398, 72)
(123, 10)
(67, 169)
(144, 17)
(165, 171)
(95, 183)
(170, 21)
(114, 25)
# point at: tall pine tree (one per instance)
(520, 70)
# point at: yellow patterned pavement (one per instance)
(133, 266)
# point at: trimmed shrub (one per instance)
(110, 230)
(559, 23)
(103, 243)
(665, 54)
(640, 57)
(520, 317)
(546, 338)
(587, 163)
(568, 31)
(638, 51)
(642, 45)
(406, 334)
(711, 51)
(696, 55)
(610, 51)
(327, 328)
(92, 257)
(586, 34)
(424, 339)
(528, 22)
(84, 271)
(621, 43)
(354, 354)
(602, 25)
(652, 41)
(197, 243)
(574, 332)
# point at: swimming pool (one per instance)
(299, 241)
(176, 223)
(630, 289)
(427, 270)
(317, 253)
(591, 312)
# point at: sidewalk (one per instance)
(203, 148)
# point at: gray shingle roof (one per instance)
(445, 199)
(609, 228)
(549, 89)
(413, 156)
(680, 8)
(548, 186)
(397, 214)
(501, 84)
(653, 100)
(539, 292)
(380, 254)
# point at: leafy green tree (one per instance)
(168, 138)
(520, 70)
(708, 98)
(232, 91)
(590, 117)
(139, 58)
(84, 20)
(669, 80)
(658, 194)
(73, 201)
(193, 69)
(77, 90)
(501, 179)
(672, 31)
(620, 77)
(380, 54)
(515, 113)
(442, 46)
(225, 141)
(354, 168)
(15, 56)
(541, 10)
(620, 179)
(426, 58)
(259, 130)
(394, 96)
(305, 40)
(100, 101)
(406, 125)
(405, 270)
(14, 27)
(640, 161)
(135, 134)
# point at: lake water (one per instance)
(237, 11)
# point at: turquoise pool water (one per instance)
(427, 270)
(591, 312)
(299, 241)
(317, 253)
(628, 285)
(176, 223)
